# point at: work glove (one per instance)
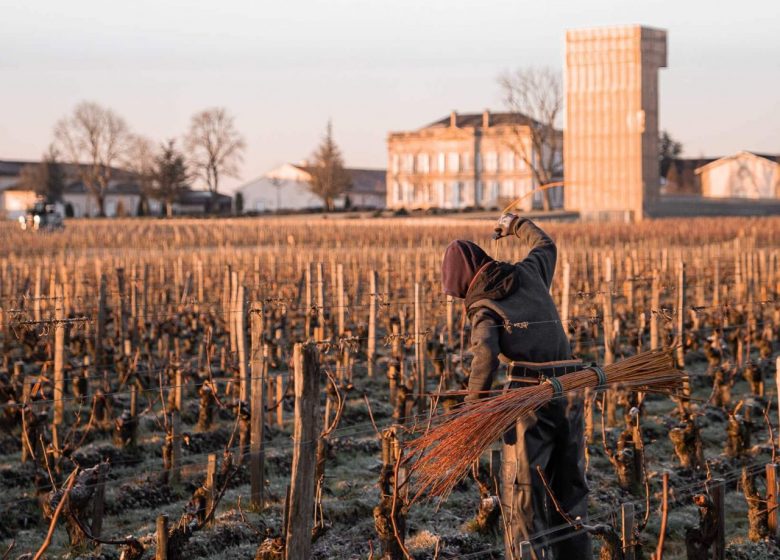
(507, 225)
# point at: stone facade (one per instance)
(611, 138)
(462, 161)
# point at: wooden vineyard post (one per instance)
(419, 347)
(59, 357)
(305, 435)
(716, 282)
(97, 504)
(162, 538)
(308, 300)
(320, 334)
(372, 309)
(772, 499)
(175, 447)
(341, 300)
(178, 387)
(211, 485)
(565, 294)
(609, 352)
(627, 530)
(37, 293)
(655, 310)
(100, 330)
(777, 384)
(257, 399)
(681, 314)
(26, 443)
(450, 321)
(231, 310)
(279, 397)
(240, 337)
(608, 319)
(718, 494)
(659, 551)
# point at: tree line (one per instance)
(99, 147)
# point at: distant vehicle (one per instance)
(42, 216)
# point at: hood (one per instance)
(462, 261)
(496, 281)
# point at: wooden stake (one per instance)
(772, 499)
(627, 530)
(257, 399)
(718, 493)
(341, 300)
(655, 310)
(59, 356)
(681, 314)
(305, 434)
(100, 330)
(279, 398)
(419, 347)
(162, 538)
(97, 503)
(240, 337)
(175, 447)
(372, 310)
(211, 485)
(565, 295)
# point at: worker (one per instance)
(514, 320)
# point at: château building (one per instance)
(462, 161)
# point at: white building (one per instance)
(123, 197)
(287, 188)
(743, 175)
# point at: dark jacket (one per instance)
(503, 294)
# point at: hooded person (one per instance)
(514, 320)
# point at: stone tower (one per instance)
(610, 145)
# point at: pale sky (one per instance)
(373, 66)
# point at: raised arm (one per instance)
(543, 252)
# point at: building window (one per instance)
(408, 163)
(441, 162)
(397, 192)
(394, 165)
(457, 195)
(422, 163)
(466, 161)
(491, 161)
(441, 199)
(507, 189)
(508, 161)
(493, 191)
(453, 162)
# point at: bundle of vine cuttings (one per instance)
(444, 453)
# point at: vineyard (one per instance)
(244, 388)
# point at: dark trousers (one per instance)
(553, 440)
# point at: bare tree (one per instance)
(214, 146)
(328, 178)
(534, 96)
(93, 138)
(170, 175)
(140, 160)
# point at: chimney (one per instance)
(453, 119)
(486, 119)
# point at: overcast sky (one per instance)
(284, 68)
